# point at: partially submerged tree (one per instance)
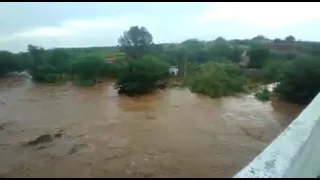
(142, 76)
(87, 70)
(60, 60)
(48, 65)
(10, 62)
(217, 80)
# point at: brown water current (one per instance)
(94, 132)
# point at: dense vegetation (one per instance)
(10, 62)
(48, 66)
(141, 76)
(86, 70)
(263, 95)
(299, 82)
(215, 68)
(217, 79)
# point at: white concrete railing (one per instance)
(278, 157)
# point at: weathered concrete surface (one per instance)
(288, 148)
(307, 162)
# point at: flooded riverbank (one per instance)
(170, 133)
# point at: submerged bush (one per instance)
(10, 62)
(82, 82)
(141, 76)
(217, 80)
(110, 70)
(87, 70)
(263, 95)
(48, 66)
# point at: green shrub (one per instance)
(272, 69)
(48, 66)
(110, 70)
(299, 81)
(87, 70)
(258, 56)
(141, 76)
(82, 82)
(10, 62)
(217, 80)
(263, 95)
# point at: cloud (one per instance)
(45, 32)
(80, 27)
(99, 31)
(271, 15)
(102, 31)
(100, 24)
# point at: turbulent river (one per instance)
(66, 131)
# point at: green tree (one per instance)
(220, 40)
(60, 60)
(272, 69)
(48, 65)
(277, 40)
(235, 54)
(7, 63)
(87, 70)
(10, 62)
(111, 70)
(141, 76)
(193, 44)
(290, 39)
(220, 49)
(258, 56)
(38, 65)
(217, 80)
(23, 61)
(37, 55)
(299, 82)
(263, 95)
(259, 38)
(194, 53)
(181, 56)
(136, 42)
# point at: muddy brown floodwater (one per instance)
(93, 132)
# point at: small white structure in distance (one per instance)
(173, 70)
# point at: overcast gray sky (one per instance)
(78, 24)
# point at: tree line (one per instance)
(215, 68)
